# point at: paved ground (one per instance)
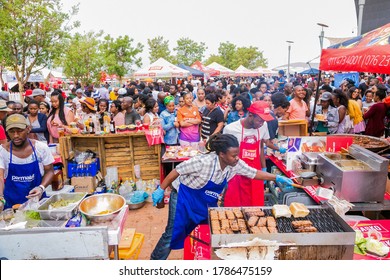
(151, 222)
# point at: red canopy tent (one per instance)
(369, 52)
(209, 71)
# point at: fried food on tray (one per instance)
(302, 223)
(215, 225)
(234, 225)
(225, 224)
(306, 229)
(255, 230)
(241, 223)
(221, 215)
(262, 222)
(213, 215)
(272, 229)
(271, 222)
(230, 215)
(238, 213)
(263, 230)
(252, 221)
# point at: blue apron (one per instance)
(21, 179)
(192, 208)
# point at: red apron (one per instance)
(243, 191)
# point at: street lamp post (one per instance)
(288, 63)
(319, 79)
(322, 34)
(360, 16)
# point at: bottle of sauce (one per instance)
(91, 125)
(112, 124)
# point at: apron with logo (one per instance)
(21, 179)
(192, 208)
(243, 191)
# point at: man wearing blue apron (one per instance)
(25, 164)
(202, 180)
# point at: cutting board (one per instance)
(127, 238)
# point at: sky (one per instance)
(265, 24)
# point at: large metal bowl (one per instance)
(101, 208)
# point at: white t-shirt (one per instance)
(42, 151)
(235, 128)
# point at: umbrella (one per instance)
(209, 71)
(242, 71)
(222, 69)
(311, 71)
(194, 72)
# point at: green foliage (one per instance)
(119, 55)
(189, 51)
(231, 56)
(32, 33)
(81, 60)
(158, 47)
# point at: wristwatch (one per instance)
(42, 188)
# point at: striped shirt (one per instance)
(196, 172)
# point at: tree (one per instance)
(159, 48)
(81, 60)
(250, 57)
(189, 51)
(227, 53)
(214, 58)
(119, 55)
(31, 34)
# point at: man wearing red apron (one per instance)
(250, 131)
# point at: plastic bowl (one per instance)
(101, 208)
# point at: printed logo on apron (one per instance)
(249, 154)
(250, 139)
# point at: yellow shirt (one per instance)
(113, 96)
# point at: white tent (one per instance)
(264, 71)
(161, 69)
(242, 71)
(222, 69)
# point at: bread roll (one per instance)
(299, 210)
(279, 210)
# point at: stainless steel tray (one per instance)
(60, 214)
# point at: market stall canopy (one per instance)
(369, 52)
(161, 69)
(222, 69)
(194, 72)
(209, 71)
(311, 71)
(242, 71)
(265, 71)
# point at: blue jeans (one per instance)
(163, 247)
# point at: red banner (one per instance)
(374, 59)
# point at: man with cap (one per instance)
(251, 132)
(3, 114)
(26, 165)
(327, 115)
(40, 96)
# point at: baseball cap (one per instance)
(4, 107)
(27, 92)
(16, 121)
(326, 96)
(122, 91)
(261, 108)
(37, 92)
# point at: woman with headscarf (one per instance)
(169, 122)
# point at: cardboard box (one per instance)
(293, 128)
(84, 184)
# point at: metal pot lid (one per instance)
(307, 175)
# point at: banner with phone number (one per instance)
(374, 59)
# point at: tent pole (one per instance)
(315, 104)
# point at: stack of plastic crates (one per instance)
(133, 252)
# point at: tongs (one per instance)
(297, 186)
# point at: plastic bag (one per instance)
(138, 197)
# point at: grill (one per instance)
(334, 240)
